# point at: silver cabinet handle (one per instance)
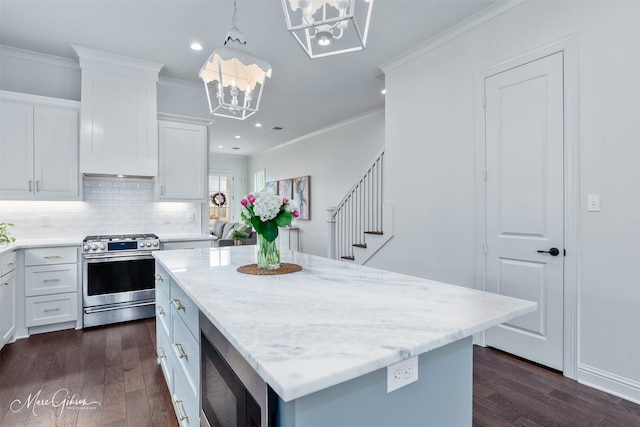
(177, 304)
(158, 277)
(5, 283)
(47, 310)
(37, 186)
(160, 311)
(160, 353)
(181, 414)
(29, 186)
(52, 257)
(178, 348)
(162, 190)
(11, 263)
(50, 280)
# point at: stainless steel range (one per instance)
(118, 278)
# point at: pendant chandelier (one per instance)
(234, 78)
(328, 27)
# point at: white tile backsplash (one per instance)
(110, 206)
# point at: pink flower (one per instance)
(251, 198)
(296, 214)
(244, 202)
(284, 200)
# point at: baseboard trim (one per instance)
(609, 383)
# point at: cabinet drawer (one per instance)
(187, 354)
(186, 309)
(163, 352)
(46, 256)
(163, 313)
(163, 281)
(48, 309)
(53, 279)
(185, 402)
(8, 263)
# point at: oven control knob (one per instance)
(102, 247)
(155, 244)
(94, 247)
(148, 244)
(85, 248)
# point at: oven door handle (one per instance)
(117, 307)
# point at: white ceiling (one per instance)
(302, 96)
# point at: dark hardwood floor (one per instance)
(116, 367)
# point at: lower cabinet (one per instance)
(51, 286)
(7, 298)
(178, 348)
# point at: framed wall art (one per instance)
(301, 196)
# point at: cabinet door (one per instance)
(183, 161)
(7, 307)
(56, 153)
(16, 151)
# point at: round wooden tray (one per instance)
(285, 268)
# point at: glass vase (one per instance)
(268, 254)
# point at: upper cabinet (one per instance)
(119, 133)
(183, 165)
(38, 148)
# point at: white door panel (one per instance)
(525, 214)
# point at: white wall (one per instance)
(334, 159)
(430, 142)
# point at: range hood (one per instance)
(118, 115)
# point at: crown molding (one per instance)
(451, 33)
(29, 55)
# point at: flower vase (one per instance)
(268, 254)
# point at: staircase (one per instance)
(361, 223)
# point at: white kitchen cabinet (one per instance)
(118, 114)
(51, 286)
(38, 148)
(7, 298)
(178, 349)
(183, 166)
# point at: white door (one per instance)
(525, 193)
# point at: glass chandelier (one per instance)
(234, 78)
(328, 27)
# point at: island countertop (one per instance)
(333, 321)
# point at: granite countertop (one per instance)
(184, 237)
(333, 321)
(40, 243)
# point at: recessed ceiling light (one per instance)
(196, 46)
(237, 137)
(383, 91)
(258, 125)
(220, 146)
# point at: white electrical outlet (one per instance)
(190, 218)
(402, 373)
(593, 203)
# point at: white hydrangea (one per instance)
(267, 206)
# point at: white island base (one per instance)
(441, 397)
(323, 338)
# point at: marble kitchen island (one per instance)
(322, 338)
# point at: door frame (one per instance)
(568, 46)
